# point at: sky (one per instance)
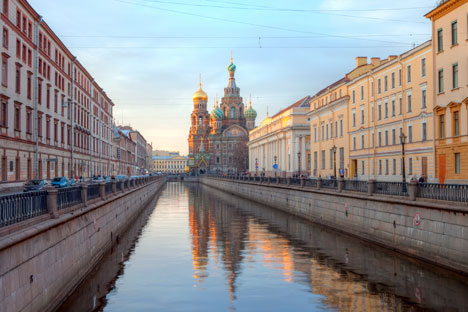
(148, 54)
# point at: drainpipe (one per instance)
(72, 135)
(91, 124)
(36, 99)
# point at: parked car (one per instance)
(97, 179)
(35, 185)
(121, 177)
(59, 182)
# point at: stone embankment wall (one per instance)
(41, 265)
(436, 232)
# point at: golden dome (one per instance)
(200, 95)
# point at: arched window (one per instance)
(233, 112)
(200, 121)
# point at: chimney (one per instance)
(392, 57)
(375, 61)
(361, 60)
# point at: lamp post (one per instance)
(299, 162)
(334, 160)
(403, 141)
(274, 167)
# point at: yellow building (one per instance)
(170, 164)
(389, 102)
(329, 125)
(284, 140)
(450, 78)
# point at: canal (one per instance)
(199, 249)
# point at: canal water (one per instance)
(199, 249)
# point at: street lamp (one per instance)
(299, 162)
(403, 141)
(334, 160)
(275, 166)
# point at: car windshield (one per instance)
(57, 179)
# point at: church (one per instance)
(218, 141)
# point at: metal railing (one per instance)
(356, 185)
(68, 197)
(108, 188)
(19, 207)
(452, 192)
(310, 182)
(329, 183)
(391, 188)
(93, 191)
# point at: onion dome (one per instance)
(231, 67)
(217, 112)
(200, 94)
(250, 113)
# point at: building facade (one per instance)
(218, 141)
(450, 96)
(55, 120)
(170, 164)
(280, 146)
(140, 149)
(387, 104)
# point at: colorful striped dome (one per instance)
(231, 67)
(217, 113)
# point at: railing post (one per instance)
(102, 190)
(319, 183)
(413, 190)
(52, 193)
(370, 187)
(340, 185)
(114, 187)
(84, 194)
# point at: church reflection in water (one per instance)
(348, 274)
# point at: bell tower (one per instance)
(231, 104)
(200, 120)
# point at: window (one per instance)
(5, 38)
(386, 109)
(4, 72)
(393, 136)
(354, 143)
(39, 126)
(386, 83)
(323, 159)
(393, 80)
(315, 134)
(440, 40)
(455, 76)
(457, 163)
(48, 128)
(441, 81)
(410, 134)
(454, 33)
(354, 96)
(379, 86)
(408, 73)
(380, 139)
(372, 88)
(410, 165)
(331, 159)
(323, 132)
(233, 112)
(354, 118)
(380, 166)
(363, 144)
(399, 77)
(362, 115)
(379, 112)
(28, 120)
(341, 127)
(372, 139)
(315, 161)
(394, 166)
(386, 166)
(17, 116)
(423, 67)
(29, 86)
(372, 112)
(442, 126)
(336, 129)
(424, 131)
(18, 78)
(409, 102)
(386, 138)
(362, 93)
(456, 124)
(5, 7)
(326, 127)
(4, 113)
(393, 108)
(423, 98)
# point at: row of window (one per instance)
(392, 82)
(326, 132)
(440, 79)
(330, 98)
(389, 137)
(455, 131)
(340, 158)
(453, 38)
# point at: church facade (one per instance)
(218, 140)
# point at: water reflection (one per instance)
(205, 250)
